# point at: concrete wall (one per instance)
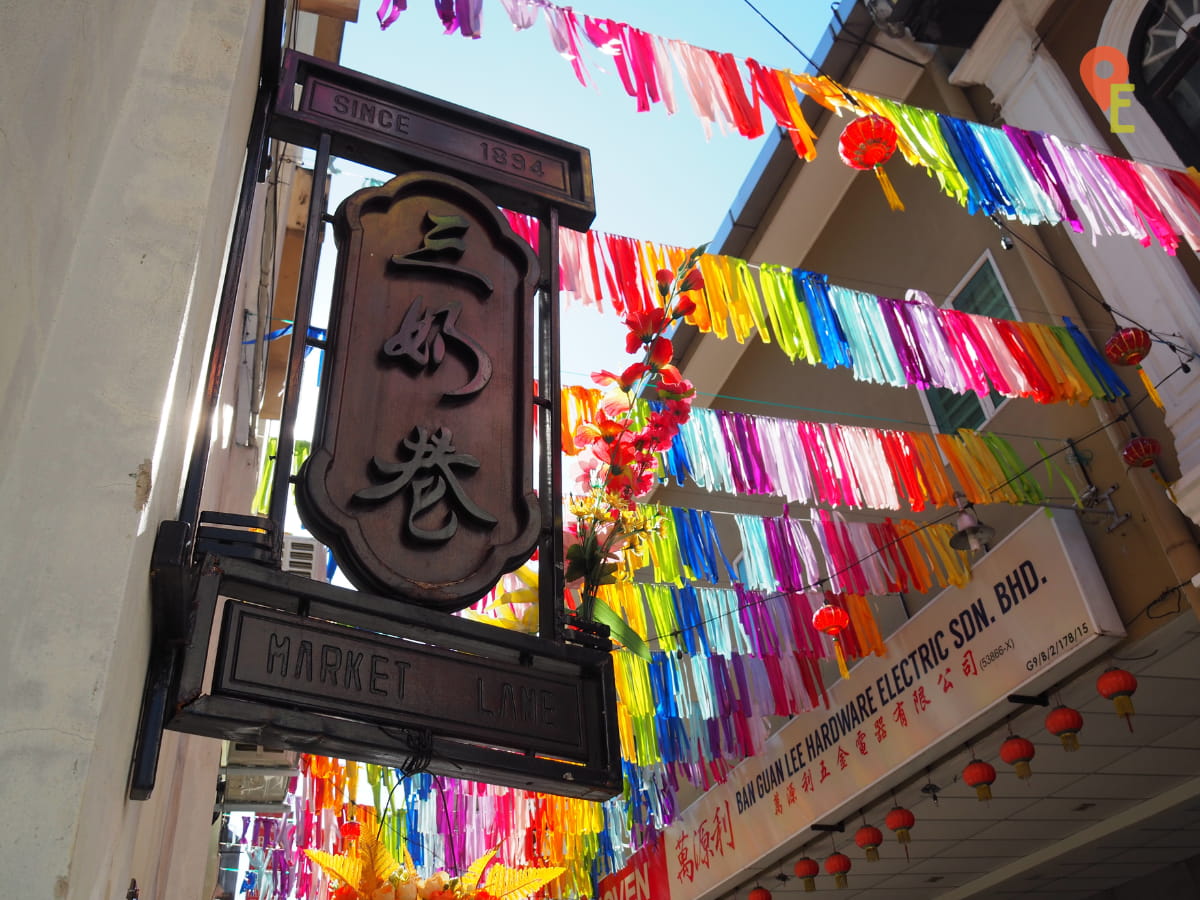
(122, 133)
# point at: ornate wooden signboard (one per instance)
(421, 474)
(421, 471)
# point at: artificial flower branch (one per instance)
(619, 453)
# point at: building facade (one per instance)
(1087, 823)
(125, 135)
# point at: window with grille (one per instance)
(981, 292)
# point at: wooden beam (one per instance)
(346, 10)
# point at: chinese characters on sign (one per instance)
(421, 473)
(950, 667)
(698, 849)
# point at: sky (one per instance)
(656, 177)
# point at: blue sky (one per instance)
(656, 176)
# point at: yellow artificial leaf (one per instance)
(378, 863)
(369, 867)
(519, 884)
(409, 866)
(470, 879)
(347, 869)
(524, 595)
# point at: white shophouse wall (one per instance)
(1034, 92)
(122, 134)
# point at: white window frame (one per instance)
(989, 408)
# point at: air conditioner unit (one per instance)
(303, 555)
(244, 755)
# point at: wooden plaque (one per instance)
(420, 479)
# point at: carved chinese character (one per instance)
(428, 473)
(421, 341)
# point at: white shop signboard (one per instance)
(1035, 609)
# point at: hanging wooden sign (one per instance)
(421, 472)
(420, 479)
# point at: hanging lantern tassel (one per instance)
(1151, 390)
(867, 143)
(833, 620)
(841, 658)
(889, 190)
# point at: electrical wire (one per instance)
(1184, 352)
(1119, 418)
(817, 585)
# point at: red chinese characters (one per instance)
(695, 850)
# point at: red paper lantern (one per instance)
(1065, 724)
(837, 865)
(1017, 752)
(980, 775)
(869, 838)
(806, 870)
(1140, 452)
(900, 820)
(1127, 346)
(760, 893)
(867, 143)
(351, 830)
(1118, 686)
(833, 620)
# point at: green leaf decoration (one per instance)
(620, 630)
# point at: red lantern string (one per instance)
(867, 143)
